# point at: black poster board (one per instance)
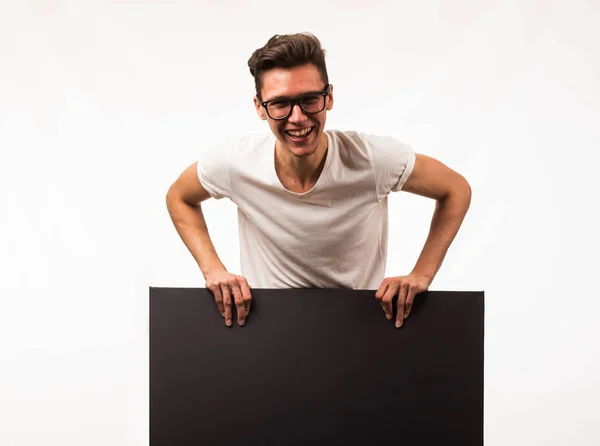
(316, 367)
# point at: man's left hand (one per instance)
(406, 287)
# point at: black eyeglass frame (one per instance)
(293, 102)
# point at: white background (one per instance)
(104, 103)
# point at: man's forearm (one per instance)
(191, 227)
(447, 218)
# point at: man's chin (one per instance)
(305, 153)
(301, 150)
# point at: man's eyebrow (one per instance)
(278, 98)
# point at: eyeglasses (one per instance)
(310, 103)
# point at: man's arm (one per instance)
(183, 203)
(432, 179)
(184, 200)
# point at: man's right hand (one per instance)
(226, 288)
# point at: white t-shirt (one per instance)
(333, 236)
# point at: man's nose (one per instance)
(297, 114)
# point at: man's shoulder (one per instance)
(357, 143)
(370, 143)
(346, 135)
(358, 138)
(348, 139)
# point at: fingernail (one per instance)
(398, 324)
(242, 322)
(228, 322)
(388, 316)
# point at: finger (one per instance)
(386, 301)
(227, 304)
(381, 291)
(246, 295)
(239, 302)
(410, 297)
(401, 301)
(218, 299)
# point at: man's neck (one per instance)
(305, 171)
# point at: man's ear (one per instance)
(259, 109)
(329, 103)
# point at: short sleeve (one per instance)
(393, 162)
(213, 169)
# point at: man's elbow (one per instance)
(464, 192)
(459, 191)
(175, 198)
(170, 195)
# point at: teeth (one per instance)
(300, 132)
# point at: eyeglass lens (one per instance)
(309, 104)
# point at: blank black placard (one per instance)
(316, 367)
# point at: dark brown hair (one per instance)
(287, 51)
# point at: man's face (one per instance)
(291, 83)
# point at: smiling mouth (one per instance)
(300, 134)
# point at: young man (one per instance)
(312, 204)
